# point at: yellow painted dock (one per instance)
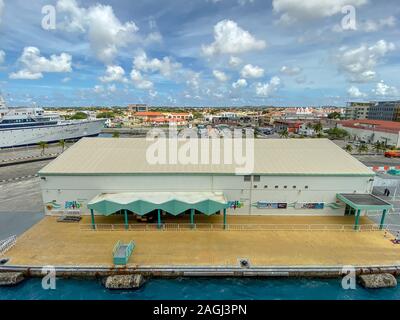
(63, 244)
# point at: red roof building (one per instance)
(373, 125)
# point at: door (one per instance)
(349, 211)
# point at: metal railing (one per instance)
(229, 227)
(7, 244)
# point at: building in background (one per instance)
(291, 126)
(372, 131)
(385, 110)
(138, 108)
(358, 110)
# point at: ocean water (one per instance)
(199, 289)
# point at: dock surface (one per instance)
(59, 244)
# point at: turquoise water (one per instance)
(199, 289)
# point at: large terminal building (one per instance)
(104, 176)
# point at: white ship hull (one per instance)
(62, 131)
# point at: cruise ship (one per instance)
(29, 126)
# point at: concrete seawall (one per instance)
(212, 271)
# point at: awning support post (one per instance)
(383, 219)
(93, 222)
(192, 217)
(159, 218)
(126, 219)
(224, 219)
(356, 226)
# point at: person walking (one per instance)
(385, 192)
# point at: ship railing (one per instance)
(7, 244)
(230, 227)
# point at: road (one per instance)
(21, 170)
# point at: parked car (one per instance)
(392, 154)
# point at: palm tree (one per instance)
(378, 147)
(43, 146)
(61, 143)
(348, 148)
(284, 133)
(115, 134)
(362, 148)
(318, 127)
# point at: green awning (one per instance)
(174, 203)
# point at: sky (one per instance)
(199, 52)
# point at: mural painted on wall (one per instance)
(311, 205)
(73, 205)
(235, 205)
(270, 205)
(53, 205)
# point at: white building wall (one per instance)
(72, 192)
(370, 136)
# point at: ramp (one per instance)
(122, 252)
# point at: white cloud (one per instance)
(359, 63)
(220, 76)
(291, 71)
(139, 82)
(66, 79)
(114, 74)
(193, 80)
(104, 30)
(373, 26)
(384, 90)
(34, 65)
(165, 66)
(98, 89)
(244, 2)
(235, 62)
(112, 88)
(240, 2)
(229, 38)
(354, 92)
(250, 71)
(2, 56)
(241, 83)
(296, 11)
(269, 88)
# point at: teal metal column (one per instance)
(93, 222)
(159, 218)
(224, 219)
(357, 220)
(126, 219)
(383, 219)
(192, 217)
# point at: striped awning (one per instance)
(174, 203)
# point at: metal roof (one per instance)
(124, 156)
(364, 201)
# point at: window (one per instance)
(306, 187)
(294, 187)
(247, 178)
(285, 187)
(276, 187)
(265, 187)
(257, 178)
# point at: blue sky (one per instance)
(199, 53)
